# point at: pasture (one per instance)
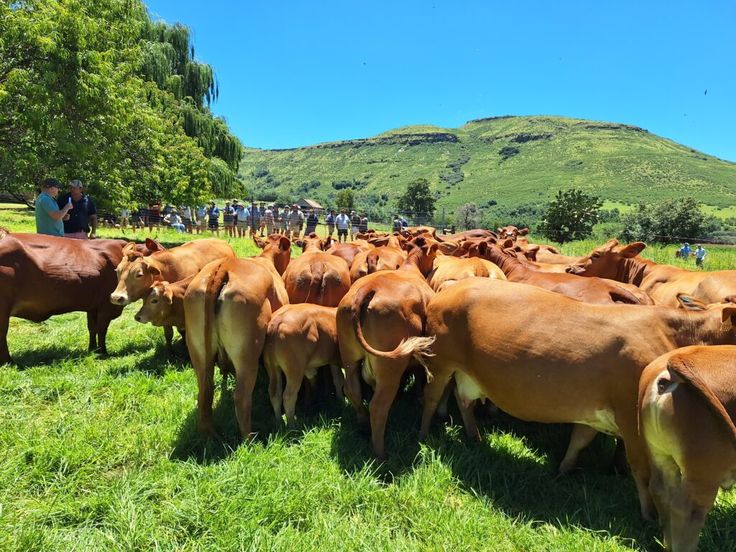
(103, 453)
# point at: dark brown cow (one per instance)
(41, 276)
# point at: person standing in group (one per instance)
(186, 218)
(267, 220)
(277, 219)
(154, 215)
(255, 219)
(83, 215)
(242, 217)
(312, 221)
(330, 222)
(685, 251)
(342, 221)
(49, 217)
(354, 224)
(396, 225)
(296, 221)
(228, 220)
(213, 216)
(700, 254)
(125, 218)
(201, 214)
(404, 222)
(262, 213)
(363, 226)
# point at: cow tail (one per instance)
(623, 295)
(682, 368)
(3, 232)
(315, 285)
(417, 347)
(214, 286)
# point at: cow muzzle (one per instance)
(577, 270)
(119, 299)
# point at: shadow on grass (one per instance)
(156, 362)
(191, 445)
(51, 354)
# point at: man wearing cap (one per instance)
(296, 221)
(49, 217)
(83, 215)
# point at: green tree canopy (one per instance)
(571, 216)
(418, 198)
(94, 89)
(345, 199)
(667, 221)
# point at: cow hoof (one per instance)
(566, 468)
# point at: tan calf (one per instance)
(300, 339)
(543, 357)
(164, 305)
(687, 401)
(227, 308)
(449, 270)
(373, 319)
(276, 253)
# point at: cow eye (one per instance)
(139, 275)
(154, 301)
(595, 255)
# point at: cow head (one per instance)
(425, 250)
(607, 260)
(156, 305)
(135, 279)
(277, 248)
(312, 242)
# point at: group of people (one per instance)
(685, 252)
(71, 215)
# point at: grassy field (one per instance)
(512, 160)
(103, 454)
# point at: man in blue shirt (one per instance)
(83, 215)
(700, 254)
(48, 215)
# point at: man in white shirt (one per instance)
(342, 222)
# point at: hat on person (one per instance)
(75, 183)
(51, 183)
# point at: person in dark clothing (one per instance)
(82, 220)
(363, 226)
(312, 221)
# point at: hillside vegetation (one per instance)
(513, 161)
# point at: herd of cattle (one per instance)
(609, 342)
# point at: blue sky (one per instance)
(297, 73)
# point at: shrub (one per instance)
(571, 216)
(668, 221)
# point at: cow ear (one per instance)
(633, 249)
(690, 303)
(483, 248)
(508, 243)
(523, 231)
(259, 242)
(727, 315)
(284, 243)
(327, 243)
(299, 243)
(152, 245)
(168, 295)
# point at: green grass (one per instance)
(103, 454)
(619, 163)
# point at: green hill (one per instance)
(513, 161)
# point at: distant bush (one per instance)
(306, 187)
(260, 172)
(668, 221)
(508, 151)
(354, 184)
(467, 217)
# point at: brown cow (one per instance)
(556, 360)
(164, 305)
(227, 308)
(377, 314)
(300, 339)
(41, 276)
(687, 402)
(277, 250)
(662, 282)
(348, 251)
(386, 255)
(589, 290)
(448, 270)
(137, 276)
(316, 276)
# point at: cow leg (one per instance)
(104, 317)
(169, 335)
(443, 405)
(4, 324)
(466, 411)
(205, 370)
(639, 462)
(291, 394)
(581, 437)
(338, 381)
(246, 371)
(92, 329)
(659, 490)
(275, 387)
(433, 393)
(388, 380)
(690, 503)
(353, 392)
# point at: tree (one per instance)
(467, 217)
(418, 198)
(570, 216)
(345, 199)
(667, 221)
